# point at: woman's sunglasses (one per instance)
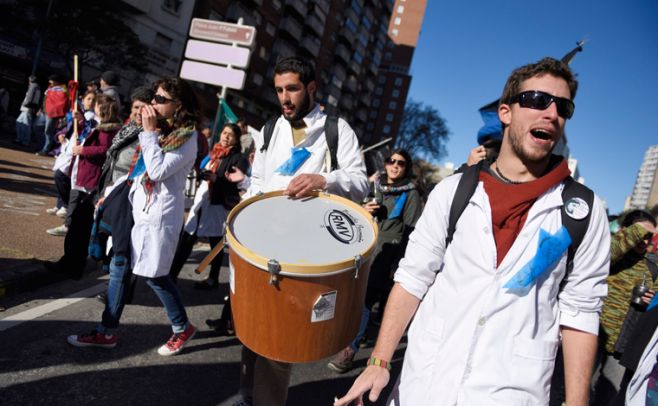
(539, 100)
(400, 162)
(162, 100)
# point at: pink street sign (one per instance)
(217, 53)
(220, 31)
(212, 74)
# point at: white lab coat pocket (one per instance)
(427, 339)
(533, 362)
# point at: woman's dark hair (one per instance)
(636, 216)
(107, 107)
(408, 168)
(143, 94)
(180, 90)
(236, 130)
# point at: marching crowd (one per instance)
(512, 285)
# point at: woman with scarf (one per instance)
(85, 171)
(216, 196)
(165, 155)
(396, 206)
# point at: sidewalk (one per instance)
(26, 191)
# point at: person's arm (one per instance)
(400, 308)
(257, 178)
(104, 142)
(627, 239)
(579, 350)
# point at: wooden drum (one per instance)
(298, 273)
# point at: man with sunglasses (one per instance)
(489, 307)
(299, 144)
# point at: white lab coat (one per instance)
(158, 219)
(637, 388)
(205, 219)
(349, 180)
(473, 343)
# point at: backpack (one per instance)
(330, 133)
(572, 189)
(57, 101)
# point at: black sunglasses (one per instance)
(401, 163)
(159, 99)
(539, 100)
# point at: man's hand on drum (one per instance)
(371, 206)
(373, 378)
(302, 185)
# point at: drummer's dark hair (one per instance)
(295, 64)
(408, 168)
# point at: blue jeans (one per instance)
(169, 295)
(363, 326)
(24, 127)
(49, 133)
(117, 288)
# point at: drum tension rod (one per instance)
(273, 268)
(358, 260)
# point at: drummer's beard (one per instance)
(301, 111)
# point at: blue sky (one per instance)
(467, 49)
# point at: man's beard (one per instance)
(516, 143)
(302, 110)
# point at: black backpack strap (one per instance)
(331, 134)
(576, 227)
(465, 189)
(268, 130)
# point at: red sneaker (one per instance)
(93, 339)
(177, 342)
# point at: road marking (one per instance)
(39, 311)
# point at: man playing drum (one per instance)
(296, 160)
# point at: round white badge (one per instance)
(576, 208)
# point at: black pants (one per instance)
(76, 244)
(183, 251)
(63, 186)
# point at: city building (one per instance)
(645, 191)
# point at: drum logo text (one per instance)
(342, 226)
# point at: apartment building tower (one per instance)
(645, 191)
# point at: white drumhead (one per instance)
(313, 231)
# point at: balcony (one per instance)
(351, 84)
(292, 27)
(299, 6)
(342, 52)
(346, 103)
(312, 45)
(346, 33)
(314, 23)
(355, 67)
(323, 5)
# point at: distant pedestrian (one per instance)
(29, 106)
(56, 105)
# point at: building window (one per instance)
(394, 32)
(162, 43)
(392, 105)
(397, 20)
(270, 29)
(366, 23)
(395, 93)
(276, 4)
(400, 9)
(379, 91)
(386, 129)
(172, 6)
(376, 102)
(398, 82)
(350, 24)
(373, 114)
(381, 80)
(389, 117)
(262, 52)
(358, 58)
(356, 6)
(370, 126)
(257, 79)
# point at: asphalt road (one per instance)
(38, 367)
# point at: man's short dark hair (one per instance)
(303, 67)
(143, 94)
(546, 66)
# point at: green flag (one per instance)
(224, 115)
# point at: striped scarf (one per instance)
(170, 142)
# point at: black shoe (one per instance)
(206, 284)
(221, 326)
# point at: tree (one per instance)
(94, 29)
(423, 132)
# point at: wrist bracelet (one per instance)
(379, 362)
